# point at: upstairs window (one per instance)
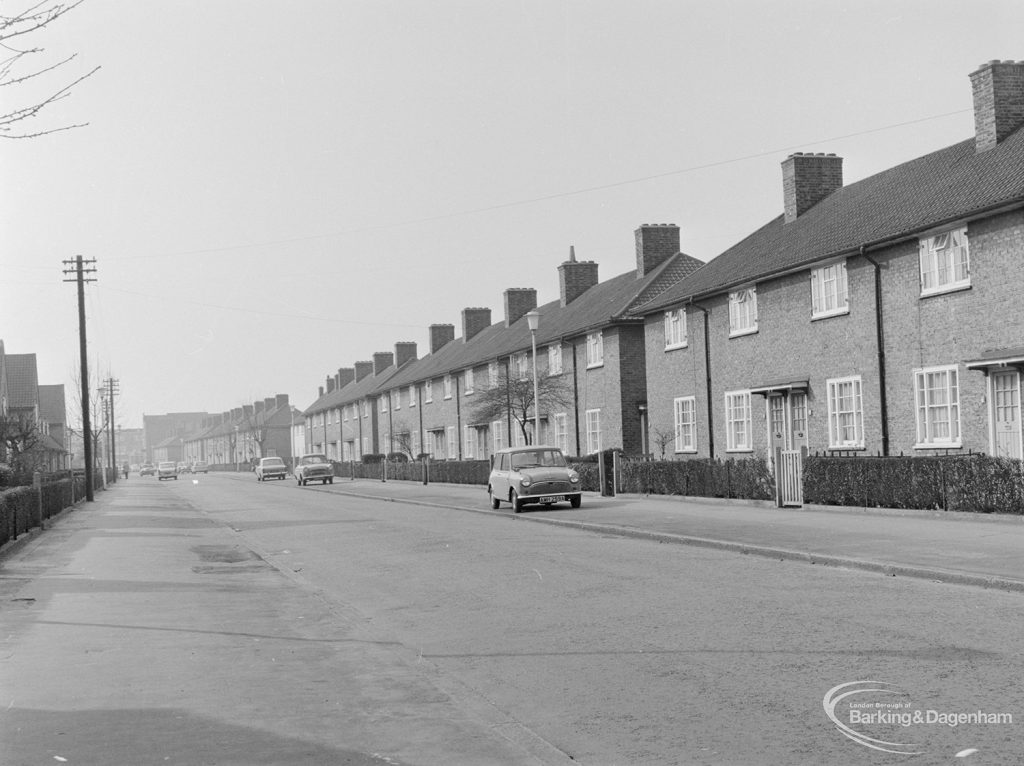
(492, 374)
(522, 365)
(412, 395)
(829, 294)
(743, 311)
(595, 349)
(447, 386)
(468, 381)
(945, 262)
(428, 391)
(675, 328)
(555, 359)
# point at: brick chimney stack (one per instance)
(440, 336)
(807, 179)
(655, 244)
(518, 301)
(998, 88)
(363, 370)
(405, 351)
(575, 277)
(474, 321)
(381, 361)
(330, 383)
(345, 376)
(281, 400)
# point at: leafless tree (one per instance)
(513, 395)
(98, 420)
(254, 425)
(401, 439)
(19, 434)
(20, 71)
(663, 437)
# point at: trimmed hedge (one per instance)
(20, 507)
(972, 483)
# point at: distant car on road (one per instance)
(270, 468)
(167, 470)
(314, 468)
(200, 466)
(183, 468)
(148, 469)
(521, 475)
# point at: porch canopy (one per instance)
(783, 386)
(996, 358)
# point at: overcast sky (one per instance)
(274, 190)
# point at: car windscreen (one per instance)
(273, 461)
(311, 459)
(540, 457)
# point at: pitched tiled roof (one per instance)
(942, 187)
(603, 304)
(52, 407)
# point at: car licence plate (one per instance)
(551, 499)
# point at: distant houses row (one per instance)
(882, 316)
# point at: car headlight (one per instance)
(525, 481)
(574, 477)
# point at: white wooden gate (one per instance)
(789, 477)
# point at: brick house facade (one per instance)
(879, 317)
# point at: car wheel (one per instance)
(517, 504)
(575, 501)
(495, 502)
(330, 481)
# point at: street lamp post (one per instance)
(533, 320)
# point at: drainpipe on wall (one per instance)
(883, 405)
(575, 398)
(458, 419)
(508, 399)
(707, 378)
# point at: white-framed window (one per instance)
(560, 435)
(845, 413)
(468, 380)
(555, 359)
(412, 395)
(383, 404)
(492, 374)
(685, 412)
(738, 432)
(453, 443)
(743, 311)
(829, 294)
(396, 397)
(366, 408)
(937, 395)
(945, 262)
(416, 449)
(366, 445)
(344, 413)
(521, 364)
(593, 421)
(428, 391)
(518, 437)
(675, 329)
(498, 434)
(469, 440)
(437, 446)
(447, 386)
(595, 349)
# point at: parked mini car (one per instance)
(522, 475)
(270, 468)
(148, 469)
(167, 470)
(314, 468)
(200, 466)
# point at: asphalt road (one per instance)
(486, 641)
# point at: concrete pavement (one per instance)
(960, 548)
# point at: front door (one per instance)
(787, 426)
(1006, 413)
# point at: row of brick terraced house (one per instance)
(877, 317)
